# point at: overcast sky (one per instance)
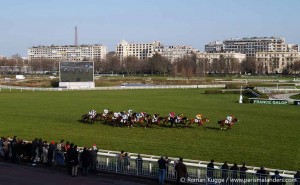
(27, 23)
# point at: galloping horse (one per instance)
(140, 120)
(88, 118)
(157, 120)
(229, 124)
(181, 120)
(200, 122)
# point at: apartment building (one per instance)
(214, 47)
(68, 53)
(275, 62)
(250, 46)
(172, 53)
(211, 56)
(138, 50)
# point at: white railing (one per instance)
(114, 87)
(197, 170)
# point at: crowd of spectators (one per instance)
(38, 151)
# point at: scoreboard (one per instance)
(76, 71)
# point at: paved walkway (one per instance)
(21, 174)
(284, 96)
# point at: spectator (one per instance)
(6, 146)
(161, 170)
(139, 164)
(210, 169)
(34, 151)
(94, 161)
(297, 178)
(126, 162)
(1, 149)
(181, 171)
(234, 169)
(121, 160)
(225, 169)
(262, 175)
(67, 146)
(74, 161)
(167, 165)
(85, 161)
(45, 152)
(69, 157)
(243, 170)
(51, 149)
(13, 149)
(40, 149)
(276, 179)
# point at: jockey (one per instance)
(92, 113)
(171, 115)
(229, 119)
(198, 117)
(155, 116)
(116, 115)
(129, 112)
(124, 118)
(179, 118)
(105, 112)
(143, 114)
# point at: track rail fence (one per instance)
(197, 170)
(114, 87)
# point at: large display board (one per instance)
(76, 71)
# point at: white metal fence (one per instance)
(197, 170)
(114, 87)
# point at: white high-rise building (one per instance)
(138, 50)
(172, 53)
(68, 53)
(214, 47)
(147, 50)
(250, 46)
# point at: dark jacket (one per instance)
(85, 158)
(181, 169)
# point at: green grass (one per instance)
(267, 135)
(296, 97)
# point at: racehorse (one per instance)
(226, 122)
(158, 120)
(87, 118)
(180, 120)
(200, 122)
(143, 121)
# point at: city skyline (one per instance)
(192, 22)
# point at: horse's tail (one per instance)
(219, 122)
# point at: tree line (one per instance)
(188, 66)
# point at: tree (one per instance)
(35, 65)
(249, 65)
(46, 65)
(296, 67)
(113, 63)
(130, 64)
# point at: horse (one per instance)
(157, 120)
(200, 122)
(141, 121)
(179, 120)
(229, 124)
(87, 118)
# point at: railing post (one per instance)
(150, 167)
(116, 164)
